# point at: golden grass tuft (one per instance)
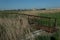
(12, 29)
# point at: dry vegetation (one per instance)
(13, 29)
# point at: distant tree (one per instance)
(19, 9)
(43, 9)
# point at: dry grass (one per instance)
(12, 29)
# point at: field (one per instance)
(11, 27)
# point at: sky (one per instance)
(28, 4)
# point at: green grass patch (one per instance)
(52, 15)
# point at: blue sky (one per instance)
(27, 4)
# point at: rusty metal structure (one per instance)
(33, 20)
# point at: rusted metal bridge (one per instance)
(37, 23)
